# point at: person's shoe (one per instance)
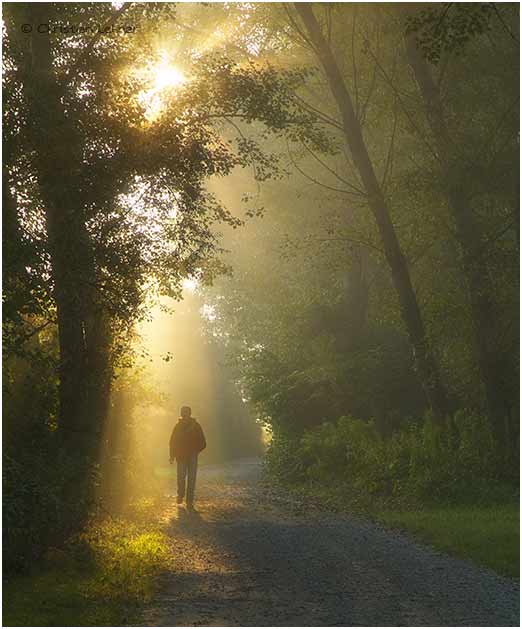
(179, 500)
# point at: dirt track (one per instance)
(248, 559)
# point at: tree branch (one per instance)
(310, 178)
(401, 102)
(330, 170)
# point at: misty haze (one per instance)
(261, 314)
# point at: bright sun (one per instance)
(166, 75)
(190, 284)
(161, 77)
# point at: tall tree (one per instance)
(426, 364)
(59, 169)
(494, 365)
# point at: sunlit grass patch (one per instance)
(101, 578)
(488, 535)
(127, 558)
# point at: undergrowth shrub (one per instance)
(349, 447)
(46, 495)
(284, 460)
(430, 461)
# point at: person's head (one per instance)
(185, 412)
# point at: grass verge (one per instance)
(101, 578)
(487, 534)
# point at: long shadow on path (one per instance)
(241, 561)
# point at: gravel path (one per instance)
(246, 560)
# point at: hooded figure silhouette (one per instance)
(186, 442)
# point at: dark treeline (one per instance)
(342, 179)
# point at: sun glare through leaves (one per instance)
(161, 77)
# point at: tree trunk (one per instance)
(11, 236)
(492, 366)
(58, 161)
(426, 365)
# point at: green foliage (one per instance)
(284, 461)
(351, 447)
(447, 27)
(295, 267)
(141, 192)
(426, 461)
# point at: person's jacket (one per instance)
(186, 439)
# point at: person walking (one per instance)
(186, 442)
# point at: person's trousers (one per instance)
(187, 477)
